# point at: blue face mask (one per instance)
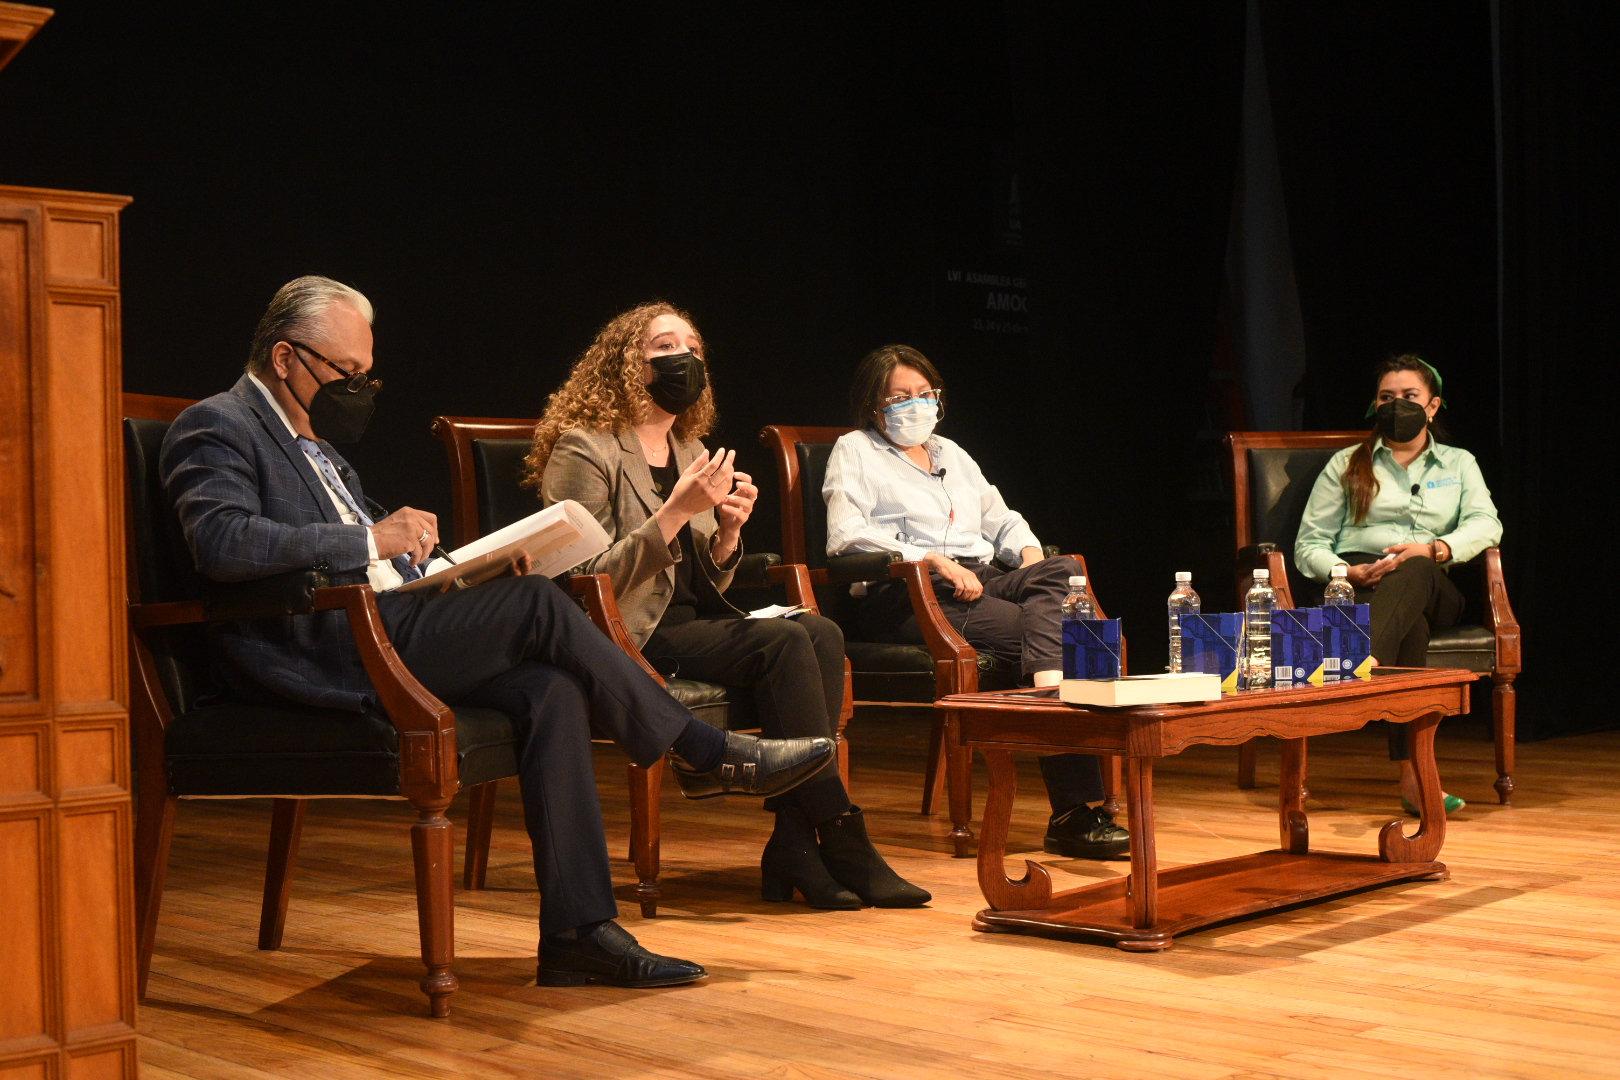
(909, 423)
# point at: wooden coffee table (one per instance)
(1147, 909)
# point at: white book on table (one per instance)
(1162, 689)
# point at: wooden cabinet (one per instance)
(66, 896)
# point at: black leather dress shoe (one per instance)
(753, 766)
(1084, 833)
(607, 954)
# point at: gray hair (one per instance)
(298, 310)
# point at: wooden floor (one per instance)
(1511, 968)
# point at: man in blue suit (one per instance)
(259, 490)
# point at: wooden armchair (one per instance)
(883, 673)
(1272, 476)
(486, 460)
(415, 749)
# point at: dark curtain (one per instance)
(1560, 108)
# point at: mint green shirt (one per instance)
(1452, 504)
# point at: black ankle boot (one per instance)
(852, 860)
(791, 861)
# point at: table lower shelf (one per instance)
(1193, 897)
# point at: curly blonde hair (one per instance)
(604, 392)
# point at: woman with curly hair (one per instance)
(623, 438)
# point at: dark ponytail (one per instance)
(1360, 484)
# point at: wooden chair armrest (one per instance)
(795, 579)
(956, 663)
(754, 569)
(860, 566)
(175, 613)
(596, 590)
(1279, 579)
(427, 726)
(1499, 615)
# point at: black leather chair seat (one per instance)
(1472, 648)
(249, 750)
(886, 672)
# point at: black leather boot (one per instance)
(753, 766)
(791, 861)
(606, 953)
(1085, 833)
(854, 863)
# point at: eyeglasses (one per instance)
(936, 396)
(353, 381)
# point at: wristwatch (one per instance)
(1437, 545)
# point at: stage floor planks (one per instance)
(1510, 969)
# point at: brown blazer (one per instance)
(607, 474)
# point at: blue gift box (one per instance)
(1296, 647)
(1210, 644)
(1091, 649)
(1347, 642)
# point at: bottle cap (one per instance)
(1077, 581)
(1341, 570)
(1262, 574)
(1183, 575)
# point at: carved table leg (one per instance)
(1248, 751)
(1504, 711)
(1424, 845)
(1294, 828)
(1034, 889)
(959, 786)
(1144, 860)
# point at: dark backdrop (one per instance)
(1034, 194)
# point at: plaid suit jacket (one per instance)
(249, 505)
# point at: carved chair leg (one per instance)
(286, 826)
(1293, 826)
(154, 830)
(1505, 714)
(934, 776)
(433, 844)
(480, 824)
(645, 787)
(1113, 782)
(843, 759)
(1247, 753)
(959, 787)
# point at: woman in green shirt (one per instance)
(1398, 509)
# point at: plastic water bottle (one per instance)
(1077, 605)
(1182, 602)
(1339, 591)
(1261, 602)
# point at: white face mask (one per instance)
(909, 423)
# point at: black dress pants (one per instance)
(1408, 605)
(1019, 620)
(793, 669)
(521, 646)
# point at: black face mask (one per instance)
(678, 381)
(1401, 421)
(336, 413)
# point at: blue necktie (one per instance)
(402, 563)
